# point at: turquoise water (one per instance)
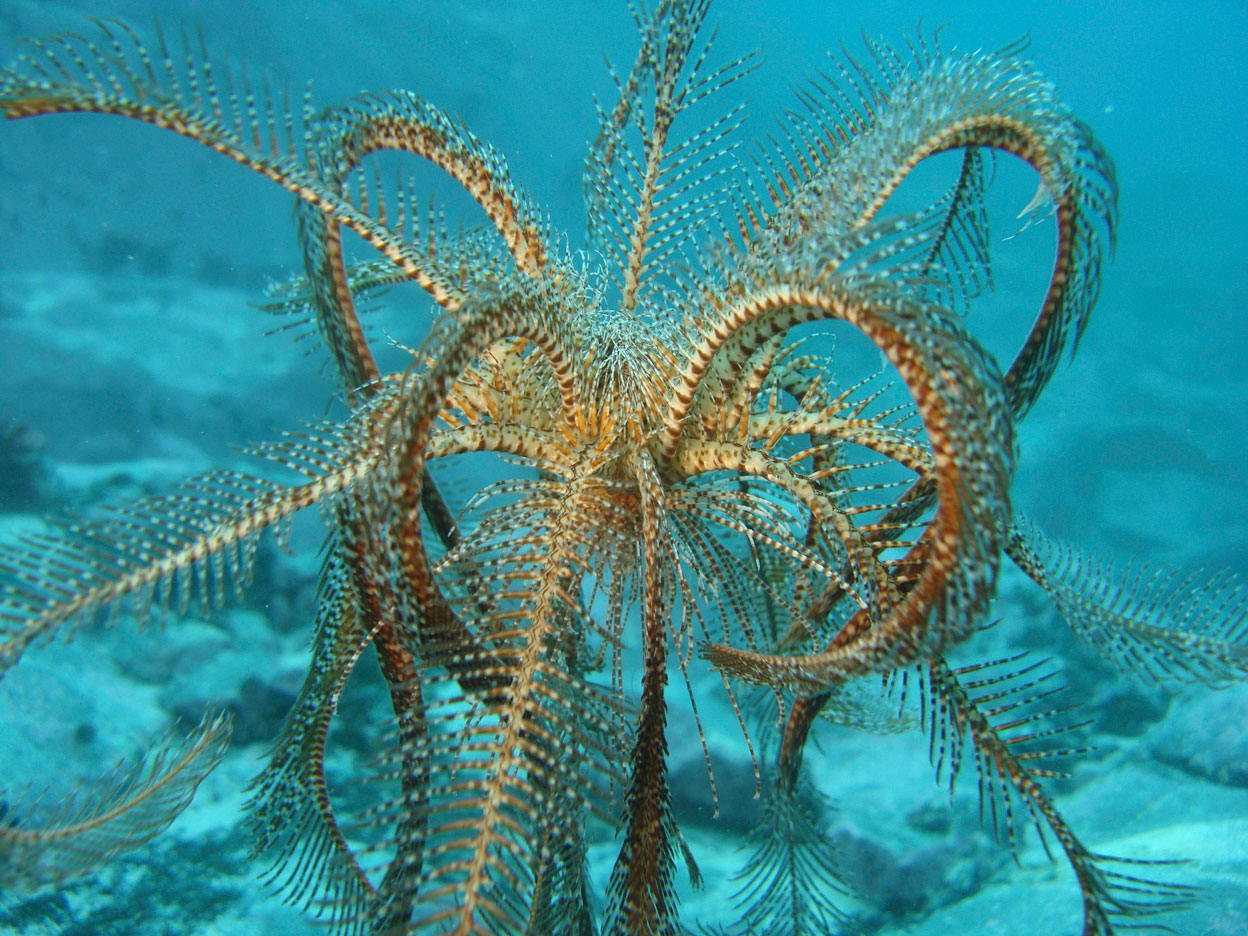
(130, 357)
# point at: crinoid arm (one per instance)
(39, 848)
(789, 885)
(793, 876)
(179, 89)
(650, 194)
(1003, 711)
(878, 120)
(965, 418)
(158, 554)
(1161, 626)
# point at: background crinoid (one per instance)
(679, 484)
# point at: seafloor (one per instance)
(131, 356)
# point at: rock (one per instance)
(917, 881)
(739, 809)
(1207, 735)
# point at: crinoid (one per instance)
(688, 485)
